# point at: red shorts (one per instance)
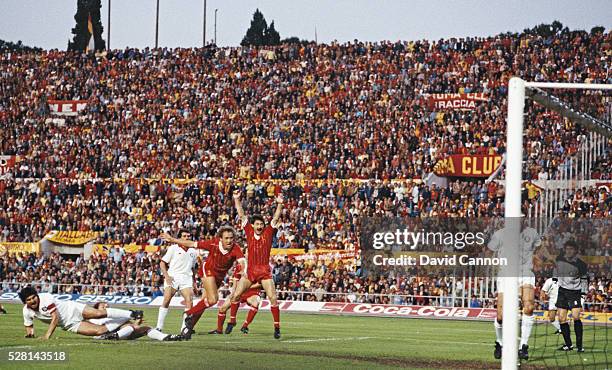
(248, 294)
(256, 274)
(211, 273)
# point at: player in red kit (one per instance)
(250, 297)
(223, 252)
(259, 243)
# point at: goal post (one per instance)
(518, 89)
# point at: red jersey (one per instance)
(219, 261)
(259, 246)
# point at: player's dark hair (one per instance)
(184, 230)
(27, 292)
(224, 229)
(257, 218)
(97, 305)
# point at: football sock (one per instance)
(156, 334)
(578, 331)
(220, 320)
(199, 308)
(498, 331)
(556, 324)
(233, 312)
(161, 317)
(276, 316)
(115, 313)
(526, 325)
(250, 316)
(566, 334)
(125, 332)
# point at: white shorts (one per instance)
(71, 315)
(524, 280)
(180, 282)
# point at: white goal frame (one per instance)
(513, 182)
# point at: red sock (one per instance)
(250, 316)
(276, 316)
(220, 320)
(199, 308)
(233, 312)
(196, 318)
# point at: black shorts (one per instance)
(568, 299)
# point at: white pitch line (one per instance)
(301, 340)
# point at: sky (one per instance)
(48, 23)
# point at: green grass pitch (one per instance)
(308, 342)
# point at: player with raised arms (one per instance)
(222, 253)
(259, 238)
(70, 316)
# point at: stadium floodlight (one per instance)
(517, 91)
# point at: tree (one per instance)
(597, 29)
(271, 36)
(294, 40)
(85, 10)
(259, 34)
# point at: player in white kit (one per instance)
(121, 328)
(177, 267)
(68, 315)
(550, 292)
(530, 241)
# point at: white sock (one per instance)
(111, 326)
(526, 325)
(125, 332)
(498, 331)
(183, 323)
(115, 313)
(156, 334)
(556, 324)
(161, 317)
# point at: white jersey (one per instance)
(530, 241)
(180, 261)
(551, 288)
(69, 313)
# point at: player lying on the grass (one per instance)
(69, 315)
(223, 252)
(177, 267)
(573, 283)
(259, 238)
(529, 241)
(250, 297)
(122, 328)
(549, 294)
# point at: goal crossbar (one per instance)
(517, 91)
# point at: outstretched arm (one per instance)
(52, 325)
(183, 242)
(279, 209)
(238, 205)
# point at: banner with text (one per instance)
(468, 165)
(71, 237)
(7, 163)
(466, 101)
(66, 107)
(12, 248)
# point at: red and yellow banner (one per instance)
(465, 101)
(12, 248)
(468, 165)
(105, 249)
(71, 237)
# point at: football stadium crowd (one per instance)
(342, 130)
(332, 280)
